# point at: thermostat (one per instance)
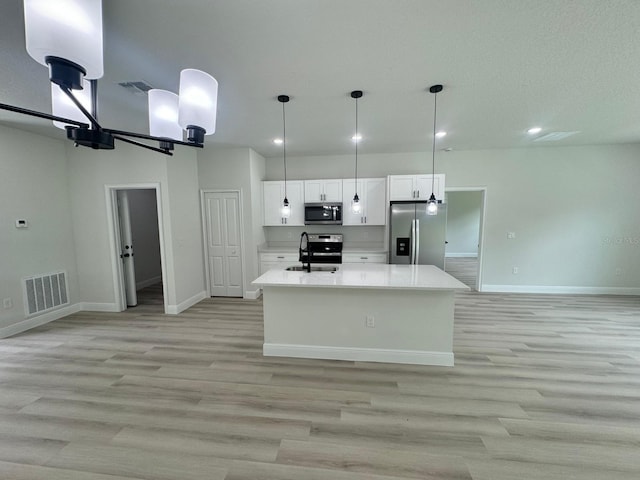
(21, 224)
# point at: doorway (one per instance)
(135, 220)
(222, 222)
(465, 221)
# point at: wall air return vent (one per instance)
(137, 88)
(45, 292)
(554, 136)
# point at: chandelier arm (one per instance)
(47, 116)
(139, 144)
(94, 122)
(150, 137)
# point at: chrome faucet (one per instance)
(305, 251)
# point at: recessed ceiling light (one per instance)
(277, 141)
(534, 130)
(357, 137)
(441, 134)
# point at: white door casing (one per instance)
(223, 241)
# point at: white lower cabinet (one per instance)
(364, 257)
(270, 261)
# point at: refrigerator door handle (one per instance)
(412, 242)
(417, 242)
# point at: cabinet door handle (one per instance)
(364, 258)
(281, 258)
(418, 196)
(365, 219)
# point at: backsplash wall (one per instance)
(354, 236)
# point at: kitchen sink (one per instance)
(298, 268)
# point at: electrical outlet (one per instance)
(7, 303)
(618, 271)
(515, 270)
(370, 322)
(511, 235)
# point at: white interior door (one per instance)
(126, 248)
(224, 249)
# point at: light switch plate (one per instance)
(511, 235)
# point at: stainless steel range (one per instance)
(321, 248)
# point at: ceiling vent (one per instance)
(137, 88)
(554, 136)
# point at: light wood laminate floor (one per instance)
(463, 269)
(544, 387)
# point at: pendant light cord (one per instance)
(433, 152)
(356, 176)
(284, 148)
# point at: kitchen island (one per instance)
(364, 312)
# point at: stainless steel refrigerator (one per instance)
(415, 237)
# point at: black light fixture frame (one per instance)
(68, 76)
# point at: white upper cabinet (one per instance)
(372, 195)
(316, 191)
(415, 187)
(273, 195)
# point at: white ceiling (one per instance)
(506, 65)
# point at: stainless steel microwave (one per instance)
(323, 213)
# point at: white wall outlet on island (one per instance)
(511, 235)
(515, 270)
(618, 271)
(370, 321)
(7, 303)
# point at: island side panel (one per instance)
(411, 326)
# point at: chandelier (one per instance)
(66, 36)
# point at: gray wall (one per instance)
(90, 171)
(33, 186)
(239, 169)
(143, 211)
(573, 209)
(463, 223)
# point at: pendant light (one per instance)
(356, 207)
(432, 203)
(285, 211)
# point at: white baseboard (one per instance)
(148, 282)
(98, 307)
(189, 302)
(252, 294)
(33, 322)
(560, 290)
(416, 357)
(461, 255)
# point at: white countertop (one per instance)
(404, 277)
